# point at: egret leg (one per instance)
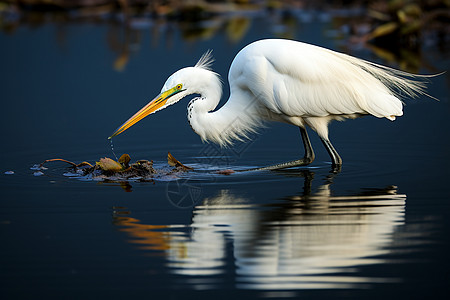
(306, 160)
(335, 158)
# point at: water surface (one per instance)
(378, 229)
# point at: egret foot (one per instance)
(309, 156)
(306, 160)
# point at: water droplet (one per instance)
(112, 149)
(38, 167)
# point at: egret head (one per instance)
(190, 80)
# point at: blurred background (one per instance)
(396, 30)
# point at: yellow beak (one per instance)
(151, 107)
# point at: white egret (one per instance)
(285, 81)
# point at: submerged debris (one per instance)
(108, 165)
(172, 161)
(107, 168)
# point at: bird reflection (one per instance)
(311, 240)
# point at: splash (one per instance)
(107, 169)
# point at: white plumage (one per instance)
(285, 81)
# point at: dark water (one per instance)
(380, 228)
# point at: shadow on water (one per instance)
(302, 241)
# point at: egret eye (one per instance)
(179, 86)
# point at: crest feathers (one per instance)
(205, 61)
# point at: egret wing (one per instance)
(296, 79)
